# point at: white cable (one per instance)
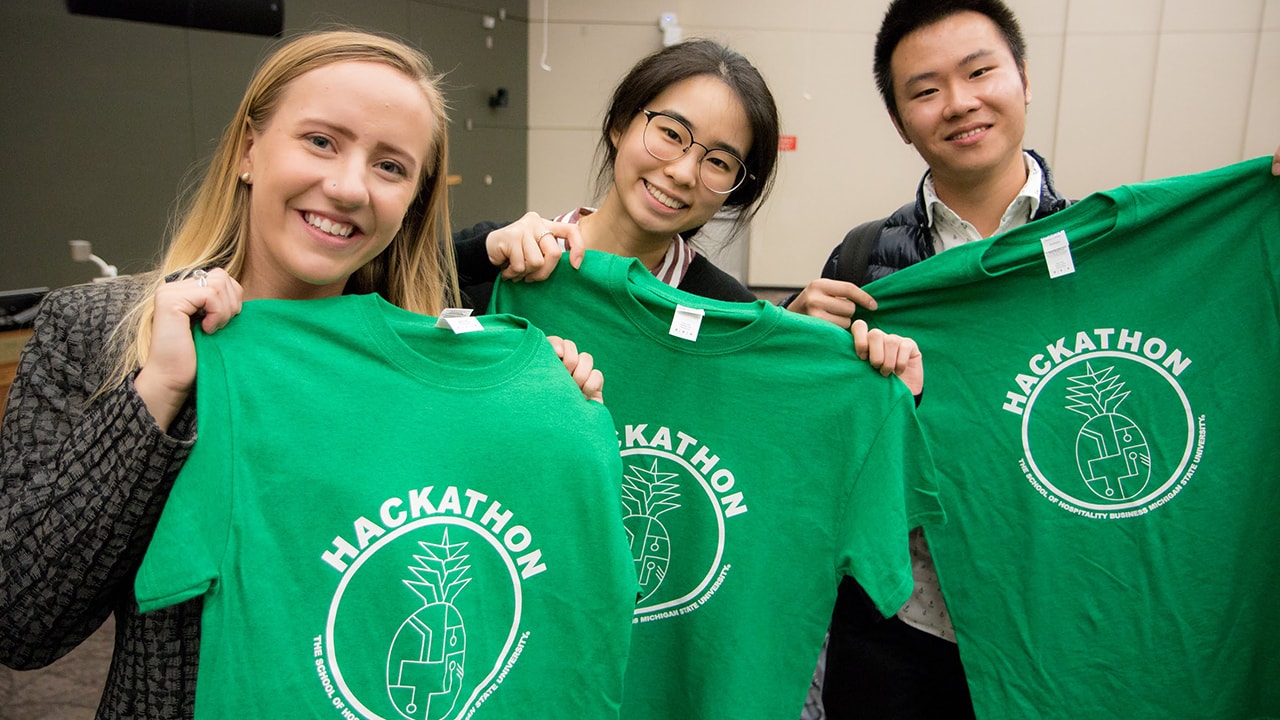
(546, 19)
(82, 251)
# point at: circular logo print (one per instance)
(1108, 431)
(675, 525)
(411, 634)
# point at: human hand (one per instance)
(832, 300)
(166, 378)
(890, 354)
(529, 248)
(1275, 163)
(581, 366)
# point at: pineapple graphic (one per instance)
(424, 664)
(646, 494)
(1111, 450)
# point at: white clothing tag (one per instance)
(1057, 254)
(464, 324)
(686, 323)
(459, 320)
(447, 313)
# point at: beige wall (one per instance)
(1123, 91)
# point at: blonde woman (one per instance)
(329, 179)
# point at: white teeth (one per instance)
(971, 133)
(664, 198)
(328, 226)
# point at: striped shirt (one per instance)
(675, 262)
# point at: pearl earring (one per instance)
(244, 178)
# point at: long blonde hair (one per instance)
(416, 271)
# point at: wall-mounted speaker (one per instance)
(253, 17)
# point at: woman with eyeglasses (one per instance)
(691, 129)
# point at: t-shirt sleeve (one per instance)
(894, 489)
(185, 555)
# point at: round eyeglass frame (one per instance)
(743, 173)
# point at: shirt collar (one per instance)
(1030, 191)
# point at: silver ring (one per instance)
(543, 234)
(202, 277)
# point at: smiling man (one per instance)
(953, 76)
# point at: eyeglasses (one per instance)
(668, 138)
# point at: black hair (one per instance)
(694, 58)
(906, 16)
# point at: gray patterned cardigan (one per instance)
(81, 489)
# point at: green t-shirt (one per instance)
(1107, 451)
(761, 463)
(390, 520)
